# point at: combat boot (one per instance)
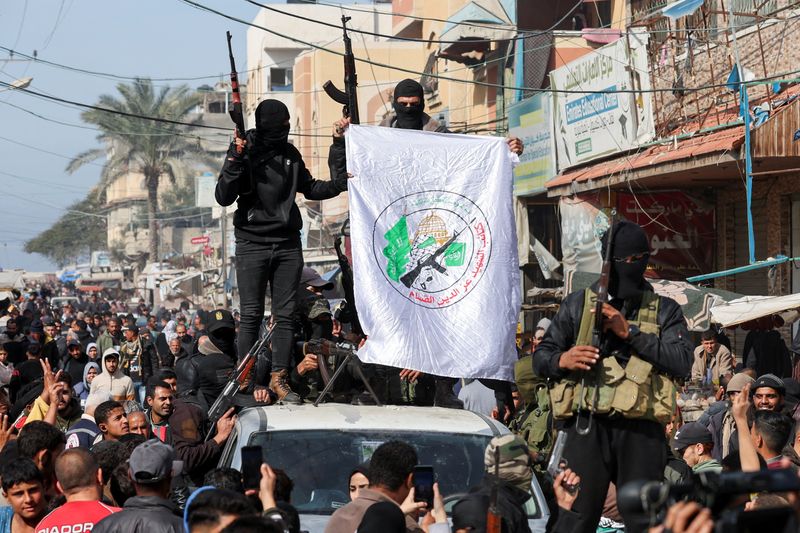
(279, 384)
(444, 396)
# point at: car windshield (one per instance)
(319, 462)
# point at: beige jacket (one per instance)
(348, 518)
(720, 363)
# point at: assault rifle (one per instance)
(349, 314)
(342, 353)
(349, 97)
(411, 276)
(494, 520)
(235, 382)
(236, 110)
(597, 327)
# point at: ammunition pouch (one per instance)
(635, 391)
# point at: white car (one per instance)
(319, 447)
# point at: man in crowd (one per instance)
(768, 393)
(76, 361)
(42, 443)
(111, 337)
(180, 425)
(198, 325)
(721, 425)
(694, 443)
(112, 379)
(56, 404)
(81, 482)
(14, 341)
(139, 425)
(712, 361)
(644, 337)
(214, 509)
(23, 489)
(137, 358)
(766, 438)
(111, 420)
(151, 469)
(186, 340)
(84, 432)
(390, 476)
(54, 348)
(215, 357)
(80, 331)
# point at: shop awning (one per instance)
(724, 140)
(750, 308)
(492, 23)
(697, 303)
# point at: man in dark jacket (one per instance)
(151, 467)
(263, 173)
(644, 347)
(76, 361)
(181, 425)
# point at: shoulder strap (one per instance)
(648, 312)
(585, 329)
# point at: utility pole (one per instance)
(223, 227)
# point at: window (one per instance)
(280, 79)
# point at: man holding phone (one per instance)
(391, 478)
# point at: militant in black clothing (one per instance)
(263, 178)
(644, 331)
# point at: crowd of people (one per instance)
(105, 406)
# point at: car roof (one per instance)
(339, 416)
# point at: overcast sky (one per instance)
(153, 38)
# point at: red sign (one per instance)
(680, 228)
(201, 240)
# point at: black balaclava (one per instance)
(224, 339)
(409, 118)
(271, 122)
(627, 279)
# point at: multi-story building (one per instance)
(126, 197)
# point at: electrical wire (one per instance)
(202, 7)
(520, 35)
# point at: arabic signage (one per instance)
(204, 239)
(589, 125)
(531, 121)
(680, 228)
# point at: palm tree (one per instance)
(153, 149)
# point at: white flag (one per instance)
(434, 251)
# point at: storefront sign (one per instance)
(681, 230)
(531, 121)
(588, 125)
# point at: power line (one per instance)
(520, 35)
(131, 115)
(470, 82)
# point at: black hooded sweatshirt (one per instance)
(267, 176)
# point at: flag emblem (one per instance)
(432, 247)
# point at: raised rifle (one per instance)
(494, 520)
(349, 97)
(350, 313)
(597, 328)
(235, 382)
(236, 109)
